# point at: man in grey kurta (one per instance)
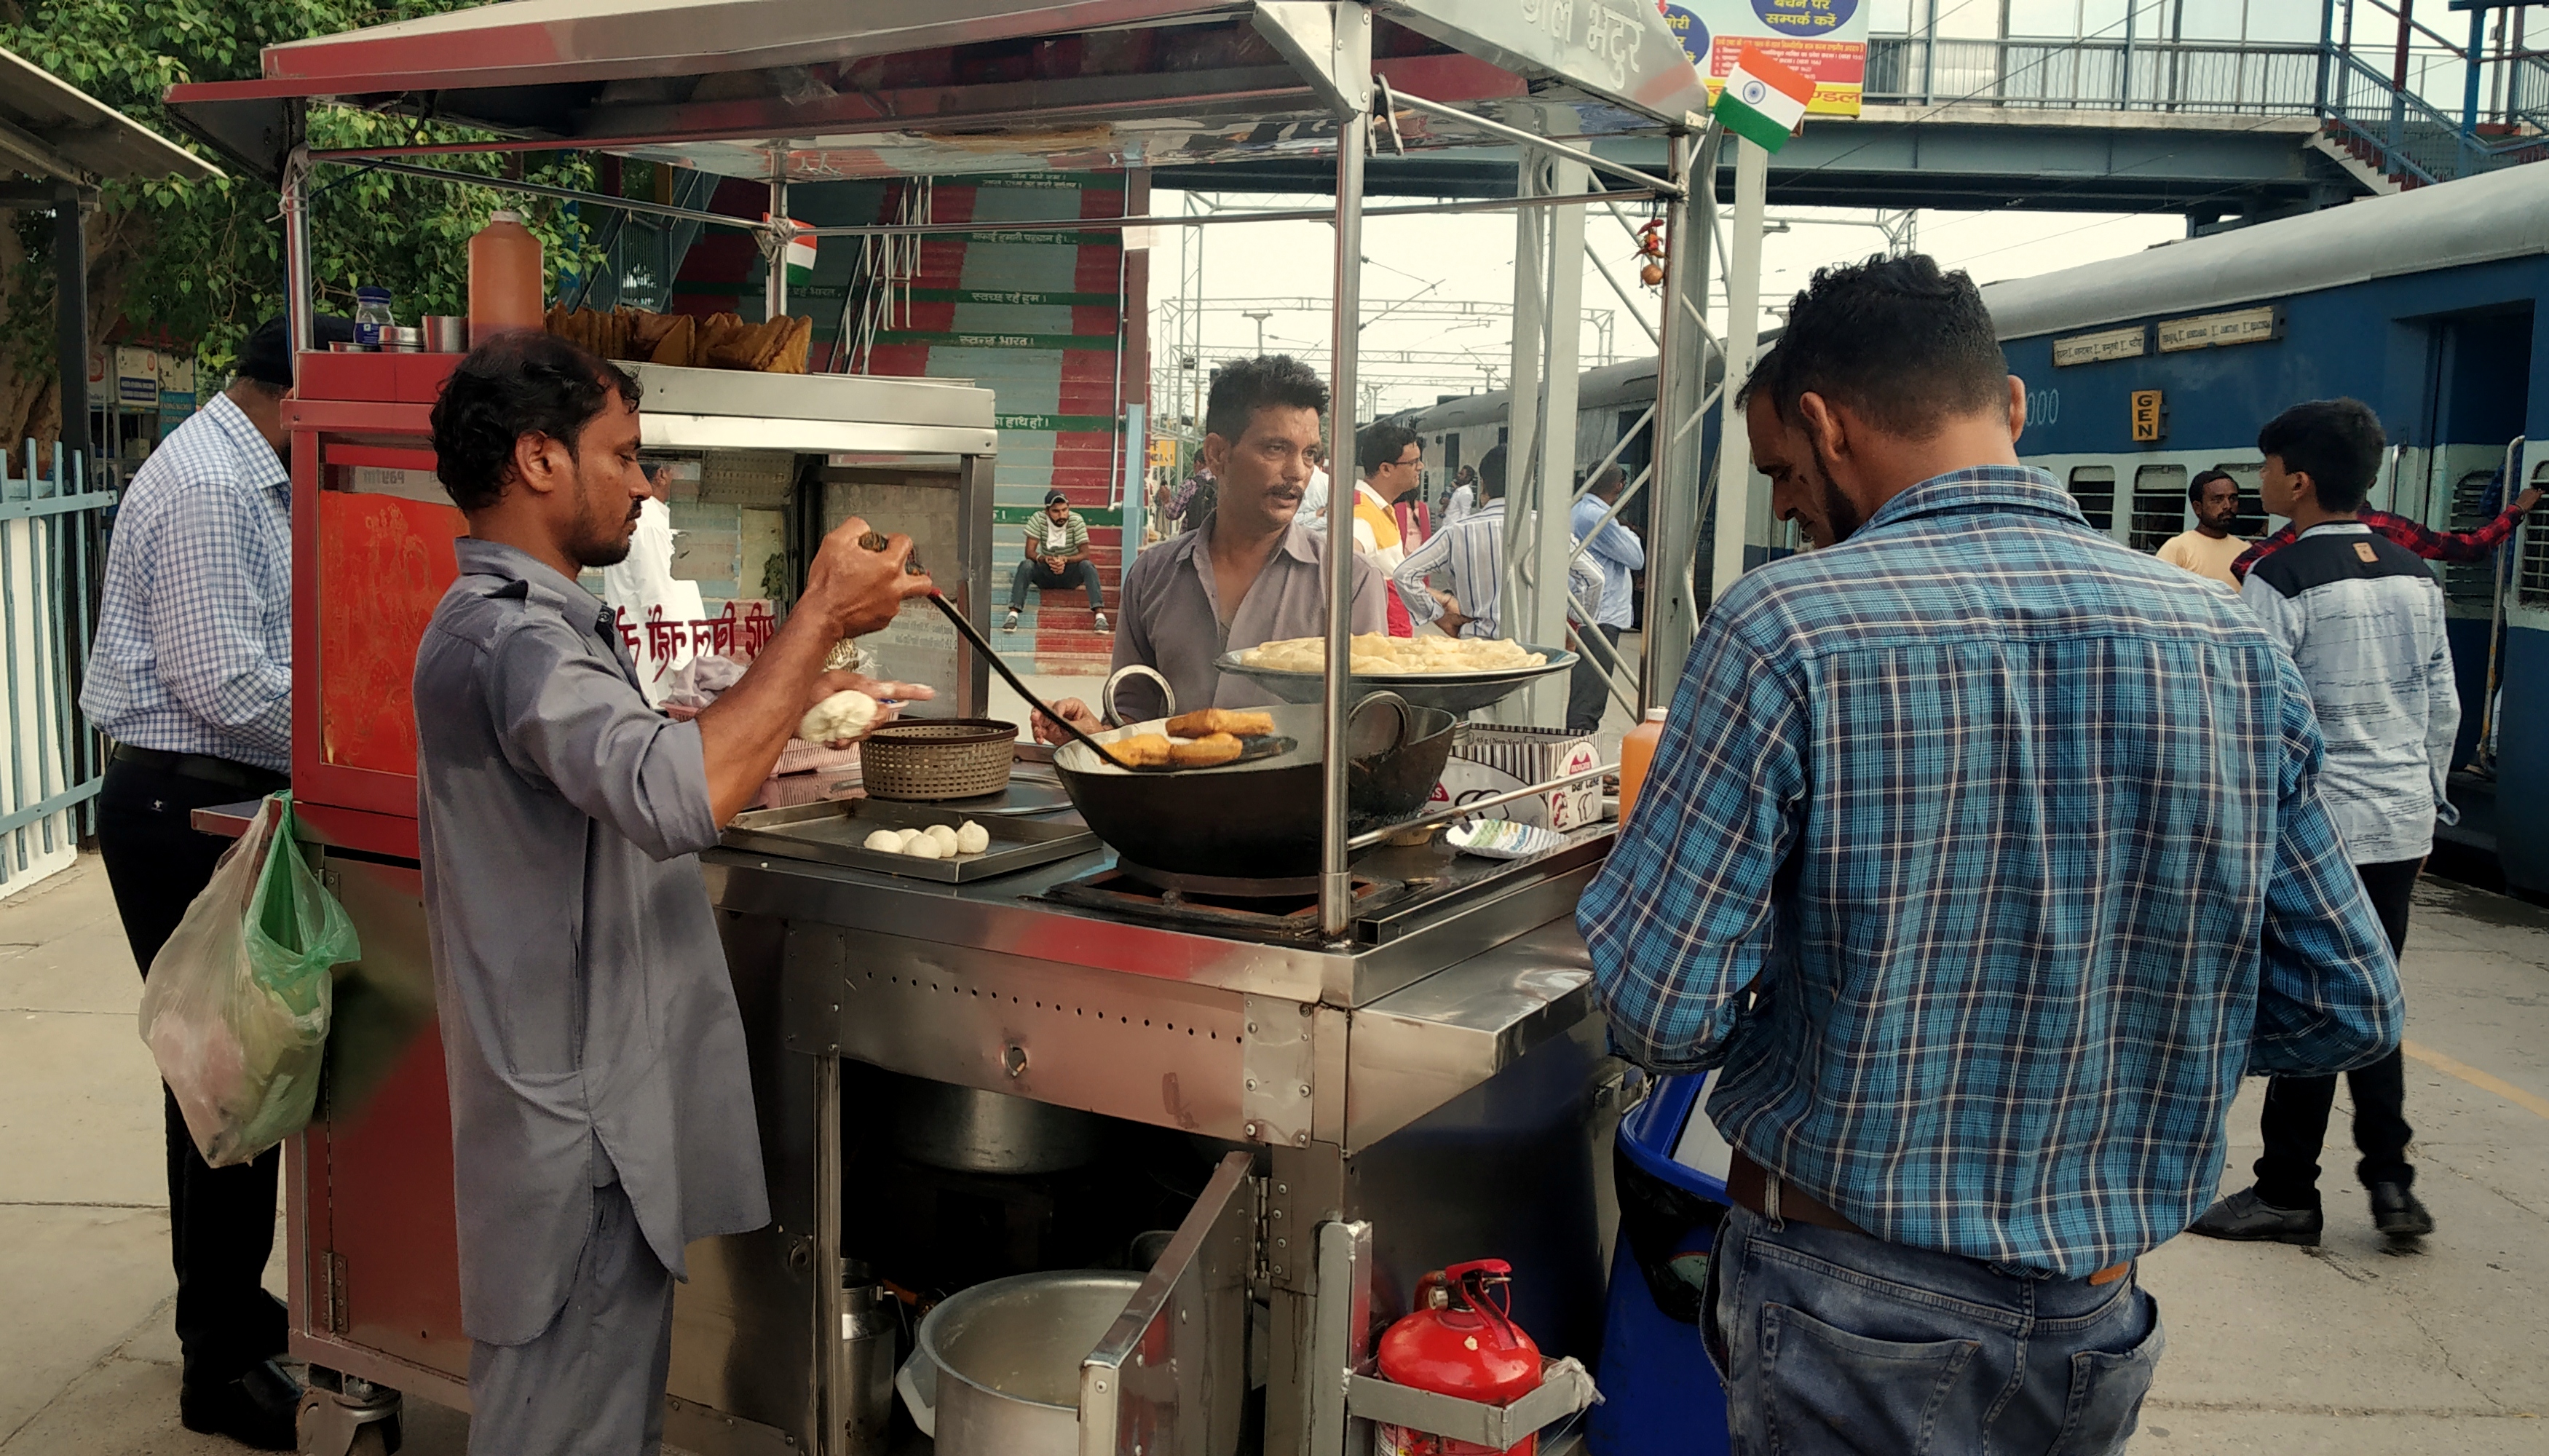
(1252, 572)
(601, 1111)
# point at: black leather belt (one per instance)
(202, 766)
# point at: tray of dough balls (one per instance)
(918, 840)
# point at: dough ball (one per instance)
(906, 836)
(945, 839)
(971, 838)
(838, 718)
(885, 842)
(922, 847)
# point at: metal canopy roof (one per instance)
(819, 89)
(52, 128)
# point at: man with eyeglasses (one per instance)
(1391, 455)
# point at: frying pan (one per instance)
(1258, 821)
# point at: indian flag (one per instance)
(1763, 100)
(800, 253)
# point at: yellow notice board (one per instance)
(2151, 415)
(1824, 40)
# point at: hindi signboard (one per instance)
(2097, 348)
(2261, 324)
(1826, 39)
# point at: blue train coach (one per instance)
(2143, 372)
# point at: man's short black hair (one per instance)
(1894, 340)
(1608, 482)
(1381, 445)
(1243, 386)
(2337, 443)
(2194, 487)
(1491, 474)
(520, 383)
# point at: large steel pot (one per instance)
(969, 1131)
(1260, 821)
(996, 1368)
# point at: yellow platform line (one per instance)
(2529, 1101)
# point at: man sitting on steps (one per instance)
(1056, 559)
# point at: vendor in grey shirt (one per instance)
(1251, 574)
(601, 1113)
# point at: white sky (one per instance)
(1278, 266)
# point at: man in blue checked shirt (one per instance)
(1984, 856)
(191, 676)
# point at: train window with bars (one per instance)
(2094, 486)
(2159, 505)
(2531, 583)
(2471, 582)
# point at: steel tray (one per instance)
(831, 830)
(1456, 692)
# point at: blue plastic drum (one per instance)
(1660, 1394)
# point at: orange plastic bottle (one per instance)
(504, 284)
(1637, 751)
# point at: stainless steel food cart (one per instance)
(1401, 1072)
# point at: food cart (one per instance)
(1276, 1112)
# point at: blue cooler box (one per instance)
(1660, 1393)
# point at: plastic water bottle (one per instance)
(1637, 751)
(371, 315)
(505, 283)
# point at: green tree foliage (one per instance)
(203, 262)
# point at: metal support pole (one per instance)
(1540, 613)
(1679, 470)
(1627, 299)
(1354, 58)
(297, 299)
(2124, 70)
(2326, 52)
(1523, 402)
(774, 243)
(2475, 57)
(1743, 334)
(70, 326)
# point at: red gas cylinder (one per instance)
(1460, 1342)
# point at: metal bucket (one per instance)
(966, 1129)
(996, 1368)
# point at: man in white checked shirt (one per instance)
(191, 676)
(1468, 554)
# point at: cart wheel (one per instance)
(375, 1439)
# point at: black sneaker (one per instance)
(2397, 1213)
(259, 1410)
(2245, 1216)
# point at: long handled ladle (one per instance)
(1250, 749)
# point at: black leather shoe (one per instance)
(2397, 1213)
(2245, 1216)
(259, 1410)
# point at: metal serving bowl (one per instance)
(1454, 693)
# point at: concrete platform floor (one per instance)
(2354, 1347)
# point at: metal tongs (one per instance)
(1250, 749)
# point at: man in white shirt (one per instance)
(2363, 619)
(1616, 550)
(1463, 497)
(1469, 555)
(2210, 548)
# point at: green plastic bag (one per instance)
(235, 1006)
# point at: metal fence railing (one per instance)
(2394, 131)
(53, 549)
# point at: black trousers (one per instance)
(1588, 690)
(220, 1221)
(1044, 578)
(2294, 1124)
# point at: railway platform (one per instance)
(2352, 1347)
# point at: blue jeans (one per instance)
(1833, 1343)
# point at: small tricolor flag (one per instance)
(800, 254)
(1763, 100)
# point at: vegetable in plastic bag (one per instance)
(234, 1008)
